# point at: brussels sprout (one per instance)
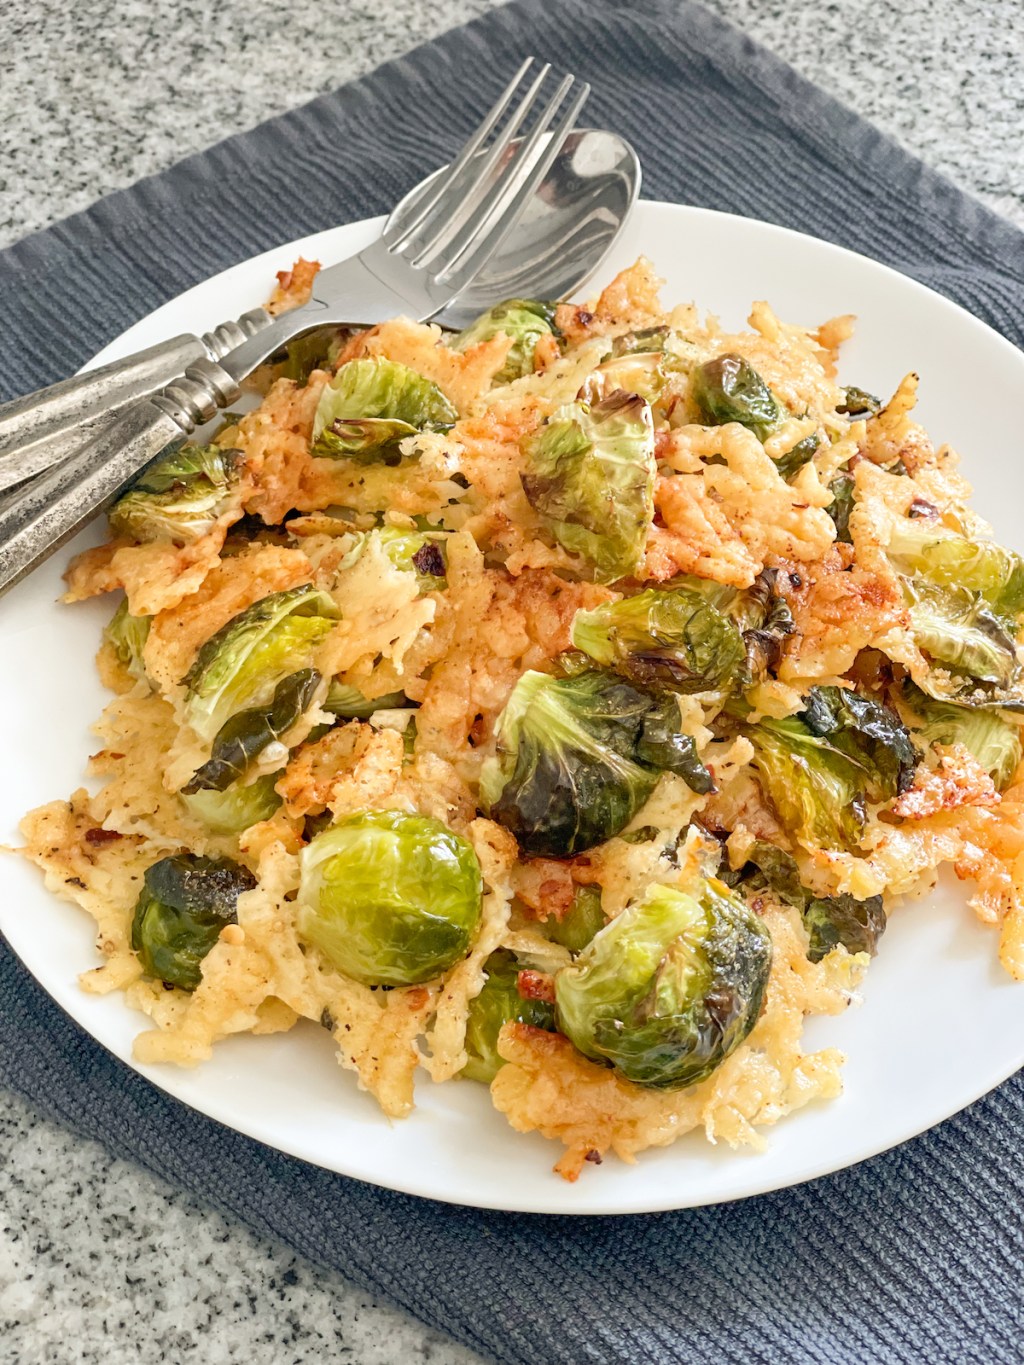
(765, 620)
(371, 405)
(565, 776)
(524, 322)
(795, 458)
(670, 987)
(856, 925)
(590, 477)
(244, 662)
(235, 809)
(127, 635)
(641, 372)
(316, 350)
(816, 790)
(994, 742)
(242, 738)
(859, 403)
(418, 552)
(665, 746)
(349, 703)
(674, 636)
(768, 867)
(497, 1004)
(729, 389)
(389, 898)
(943, 559)
(186, 901)
(645, 342)
(580, 923)
(869, 734)
(842, 490)
(179, 497)
(955, 629)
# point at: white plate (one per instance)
(941, 1023)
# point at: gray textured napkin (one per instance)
(914, 1256)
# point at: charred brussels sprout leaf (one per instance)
(186, 901)
(349, 703)
(765, 620)
(499, 1003)
(859, 403)
(418, 552)
(317, 350)
(670, 987)
(842, 490)
(244, 662)
(802, 453)
(235, 809)
(240, 740)
(729, 389)
(945, 560)
(993, 741)
(127, 635)
(389, 898)
(371, 405)
(664, 745)
(179, 497)
(524, 322)
(869, 734)
(590, 477)
(840, 920)
(772, 868)
(580, 923)
(566, 776)
(674, 636)
(816, 789)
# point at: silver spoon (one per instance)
(569, 227)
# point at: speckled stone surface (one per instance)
(99, 1262)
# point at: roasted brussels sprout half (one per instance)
(371, 405)
(186, 901)
(524, 322)
(499, 1003)
(576, 759)
(670, 987)
(868, 733)
(675, 636)
(390, 898)
(993, 741)
(242, 739)
(247, 658)
(590, 477)
(580, 923)
(729, 389)
(127, 636)
(349, 703)
(236, 808)
(841, 920)
(179, 497)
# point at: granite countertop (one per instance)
(99, 1262)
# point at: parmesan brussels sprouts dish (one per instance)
(558, 708)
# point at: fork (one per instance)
(425, 257)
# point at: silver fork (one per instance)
(425, 257)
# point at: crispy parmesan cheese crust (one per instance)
(722, 512)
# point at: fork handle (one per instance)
(43, 429)
(55, 506)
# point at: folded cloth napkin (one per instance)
(913, 1256)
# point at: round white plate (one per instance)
(940, 1025)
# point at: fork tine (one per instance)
(484, 233)
(397, 233)
(459, 199)
(469, 215)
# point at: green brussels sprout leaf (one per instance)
(186, 901)
(868, 733)
(236, 808)
(956, 630)
(729, 389)
(499, 1003)
(524, 322)
(590, 477)
(371, 405)
(580, 923)
(859, 403)
(127, 635)
(765, 620)
(993, 741)
(349, 703)
(834, 920)
(671, 987)
(817, 791)
(664, 745)
(390, 898)
(795, 458)
(842, 490)
(179, 497)
(244, 662)
(943, 559)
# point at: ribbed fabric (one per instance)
(914, 1256)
